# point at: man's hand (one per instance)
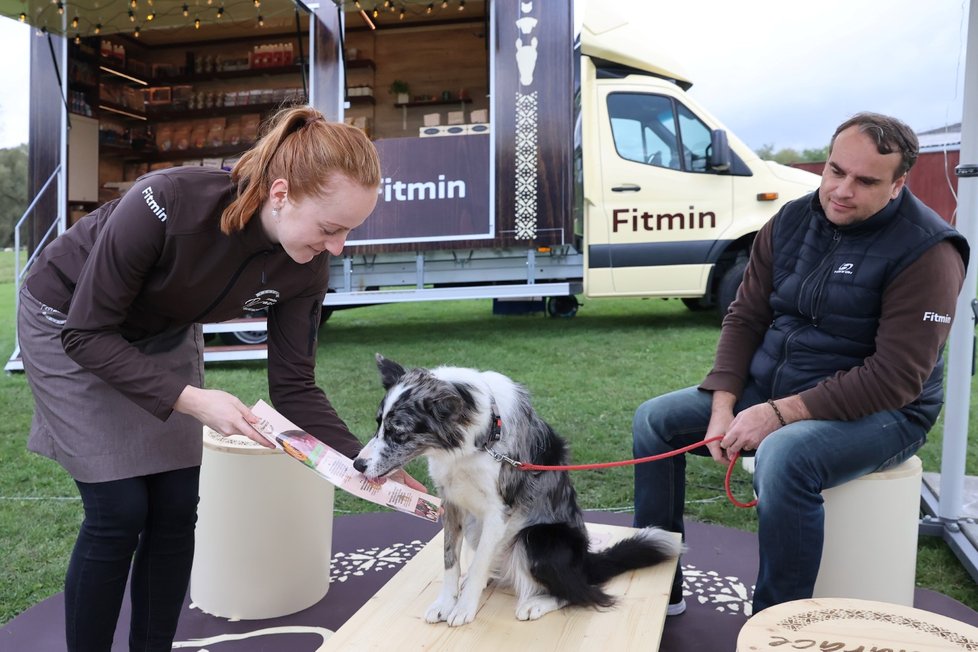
(220, 411)
(720, 418)
(752, 425)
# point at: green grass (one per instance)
(587, 375)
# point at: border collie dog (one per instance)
(525, 527)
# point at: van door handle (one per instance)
(631, 187)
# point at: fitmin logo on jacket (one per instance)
(263, 299)
(154, 207)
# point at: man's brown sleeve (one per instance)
(915, 322)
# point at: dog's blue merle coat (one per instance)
(526, 527)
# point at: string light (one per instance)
(61, 8)
(461, 5)
(430, 8)
(220, 11)
(257, 4)
(196, 23)
(356, 3)
(98, 28)
(401, 17)
(150, 16)
(444, 4)
(261, 21)
(186, 11)
(23, 17)
(77, 39)
(132, 3)
(132, 17)
(135, 32)
(375, 13)
(74, 22)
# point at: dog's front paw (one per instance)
(463, 613)
(536, 606)
(439, 610)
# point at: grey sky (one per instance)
(776, 72)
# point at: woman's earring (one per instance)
(275, 214)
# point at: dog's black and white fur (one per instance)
(524, 526)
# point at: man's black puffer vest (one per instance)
(828, 291)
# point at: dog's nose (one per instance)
(359, 465)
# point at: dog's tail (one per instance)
(648, 547)
(559, 559)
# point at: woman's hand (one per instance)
(220, 411)
(404, 478)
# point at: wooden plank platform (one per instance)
(394, 616)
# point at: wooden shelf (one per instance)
(352, 64)
(218, 75)
(457, 100)
(361, 99)
(170, 115)
(182, 154)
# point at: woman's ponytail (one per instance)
(306, 150)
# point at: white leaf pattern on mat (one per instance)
(355, 564)
(726, 594)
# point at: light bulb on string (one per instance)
(461, 5)
(98, 28)
(220, 11)
(430, 8)
(444, 4)
(261, 21)
(135, 32)
(77, 39)
(132, 17)
(74, 22)
(61, 8)
(186, 11)
(23, 17)
(196, 23)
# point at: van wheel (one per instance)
(249, 338)
(727, 287)
(562, 306)
(697, 304)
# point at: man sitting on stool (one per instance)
(829, 364)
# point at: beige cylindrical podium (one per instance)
(850, 624)
(871, 525)
(264, 532)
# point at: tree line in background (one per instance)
(13, 191)
(13, 180)
(787, 156)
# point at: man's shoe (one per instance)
(676, 608)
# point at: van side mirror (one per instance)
(719, 151)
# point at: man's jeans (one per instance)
(792, 467)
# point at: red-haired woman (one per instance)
(109, 332)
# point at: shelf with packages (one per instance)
(221, 75)
(440, 102)
(165, 115)
(418, 103)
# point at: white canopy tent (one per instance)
(945, 508)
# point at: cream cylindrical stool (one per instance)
(870, 549)
(849, 624)
(264, 532)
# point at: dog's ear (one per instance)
(390, 371)
(445, 406)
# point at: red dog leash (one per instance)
(525, 466)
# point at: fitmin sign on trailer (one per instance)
(431, 189)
